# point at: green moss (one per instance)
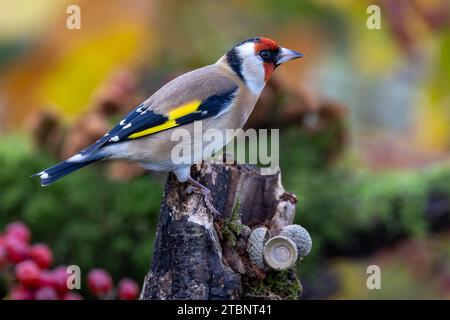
(86, 219)
(91, 221)
(277, 285)
(232, 226)
(342, 200)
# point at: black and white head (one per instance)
(254, 61)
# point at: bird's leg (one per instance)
(201, 189)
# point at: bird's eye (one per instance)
(265, 54)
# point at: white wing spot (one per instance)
(127, 126)
(114, 139)
(204, 112)
(43, 175)
(140, 109)
(122, 122)
(76, 158)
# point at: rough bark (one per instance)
(197, 257)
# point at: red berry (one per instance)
(72, 296)
(127, 289)
(21, 293)
(59, 279)
(99, 282)
(42, 255)
(3, 255)
(46, 293)
(28, 273)
(19, 231)
(46, 278)
(17, 250)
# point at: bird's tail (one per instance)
(52, 174)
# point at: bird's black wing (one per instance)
(143, 121)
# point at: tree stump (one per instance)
(197, 257)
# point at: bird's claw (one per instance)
(206, 193)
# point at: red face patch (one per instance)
(266, 44)
(268, 69)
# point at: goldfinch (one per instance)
(221, 96)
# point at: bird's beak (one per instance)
(288, 54)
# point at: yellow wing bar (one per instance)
(166, 125)
(184, 109)
(173, 115)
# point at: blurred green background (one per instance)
(364, 122)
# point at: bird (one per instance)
(220, 96)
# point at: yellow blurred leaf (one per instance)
(70, 84)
